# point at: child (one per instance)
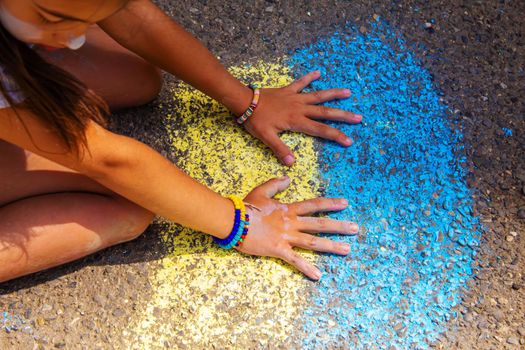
(69, 187)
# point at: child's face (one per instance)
(54, 23)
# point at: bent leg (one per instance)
(116, 74)
(44, 231)
(24, 174)
(50, 215)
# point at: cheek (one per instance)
(21, 30)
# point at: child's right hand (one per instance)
(277, 227)
(288, 108)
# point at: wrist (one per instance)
(225, 224)
(239, 100)
(240, 226)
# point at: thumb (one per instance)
(271, 187)
(279, 148)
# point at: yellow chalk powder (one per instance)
(205, 295)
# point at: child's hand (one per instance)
(278, 227)
(288, 109)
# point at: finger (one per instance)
(279, 148)
(316, 205)
(304, 81)
(319, 244)
(271, 187)
(326, 225)
(301, 264)
(328, 113)
(322, 130)
(321, 96)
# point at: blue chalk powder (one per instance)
(507, 132)
(404, 178)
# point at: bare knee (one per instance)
(150, 83)
(143, 87)
(155, 80)
(132, 221)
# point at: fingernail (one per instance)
(343, 202)
(358, 117)
(346, 92)
(345, 248)
(346, 141)
(288, 160)
(284, 178)
(353, 227)
(317, 274)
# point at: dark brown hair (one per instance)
(60, 100)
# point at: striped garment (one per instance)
(11, 87)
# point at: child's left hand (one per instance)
(286, 108)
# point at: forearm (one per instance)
(144, 29)
(142, 175)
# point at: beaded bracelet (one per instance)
(240, 228)
(255, 101)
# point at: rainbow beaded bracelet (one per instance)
(240, 228)
(255, 101)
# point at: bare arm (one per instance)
(129, 168)
(144, 29)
